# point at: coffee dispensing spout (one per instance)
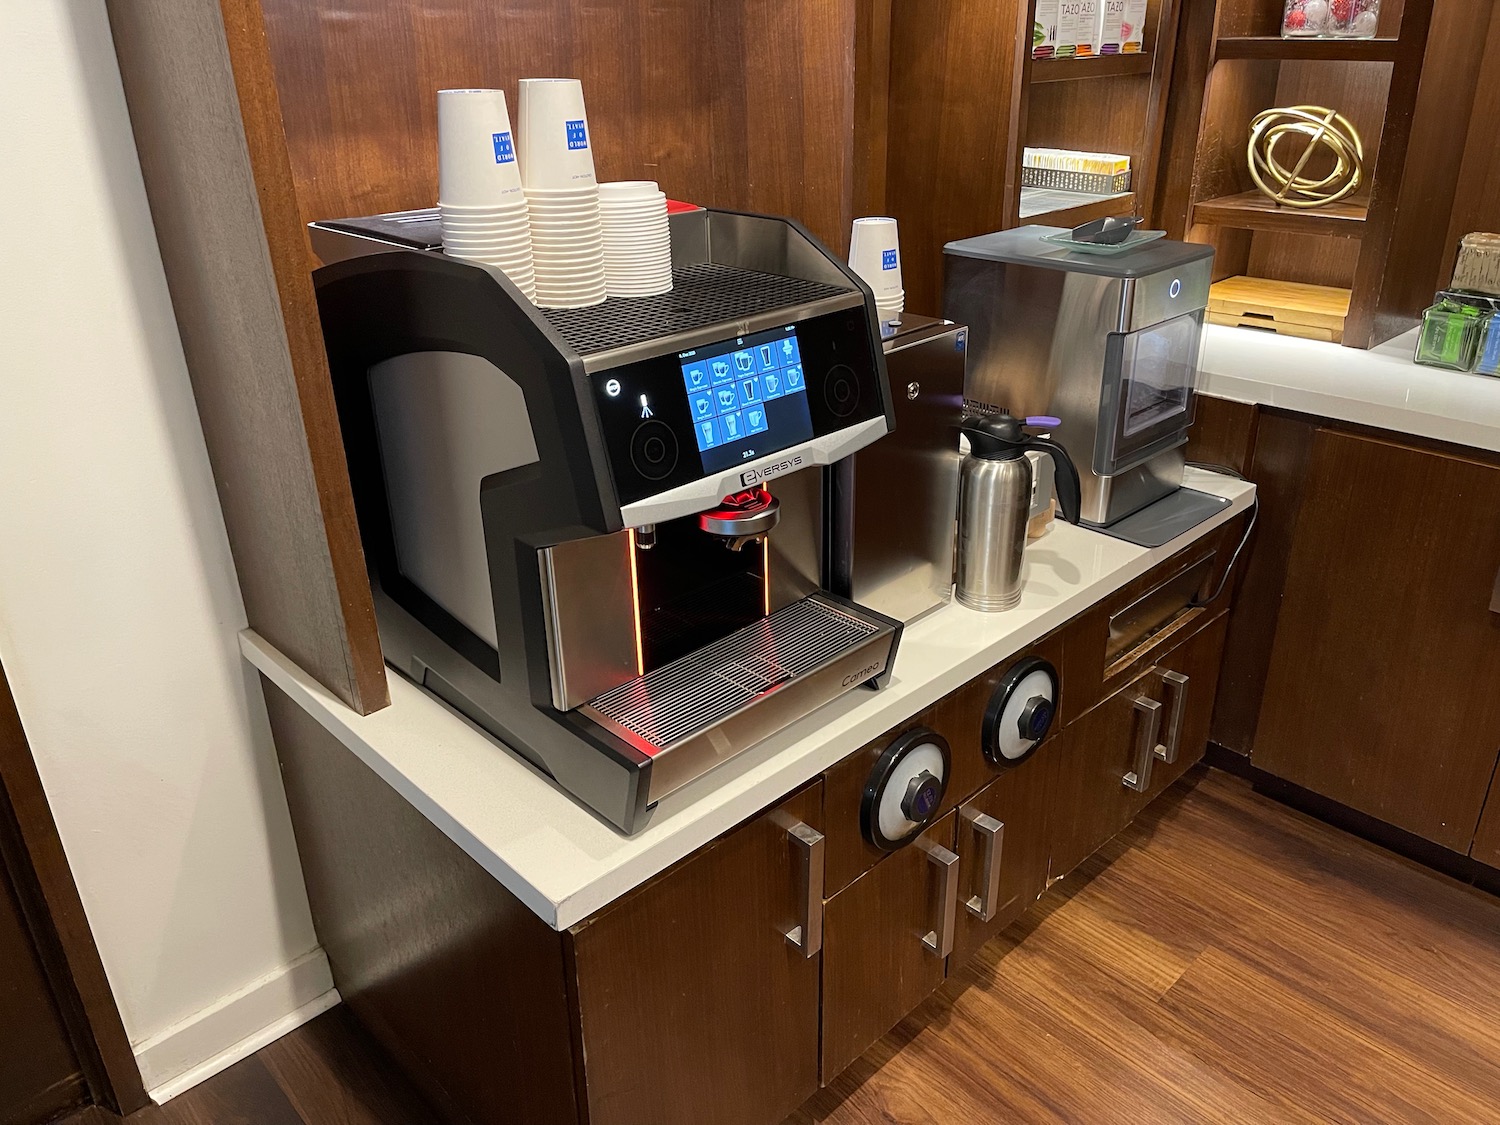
(1001, 437)
(743, 517)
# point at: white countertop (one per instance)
(1380, 387)
(565, 863)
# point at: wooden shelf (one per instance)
(1087, 208)
(1250, 210)
(1104, 66)
(1275, 48)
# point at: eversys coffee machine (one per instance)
(607, 535)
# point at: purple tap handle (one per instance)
(1043, 420)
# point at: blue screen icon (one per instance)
(701, 404)
(790, 352)
(726, 399)
(887, 259)
(755, 419)
(767, 357)
(734, 426)
(744, 363)
(695, 375)
(720, 369)
(578, 135)
(708, 433)
(794, 379)
(749, 391)
(774, 383)
(505, 148)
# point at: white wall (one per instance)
(118, 599)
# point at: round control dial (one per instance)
(653, 450)
(841, 390)
(905, 789)
(1020, 712)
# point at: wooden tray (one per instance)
(1312, 312)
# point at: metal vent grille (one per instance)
(702, 295)
(668, 705)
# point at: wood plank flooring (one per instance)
(1224, 960)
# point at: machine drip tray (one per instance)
(1166, 519)
(693, 713)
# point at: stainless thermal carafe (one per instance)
(994, 503)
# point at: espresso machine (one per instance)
(1106, 343)
(608, 536)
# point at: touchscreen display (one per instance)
(747, 397)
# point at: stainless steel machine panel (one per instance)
(906, 486)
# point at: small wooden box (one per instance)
(1313, 312)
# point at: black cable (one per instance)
(1234, 558)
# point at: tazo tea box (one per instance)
(1044, 30)
(1111, 17)
(1078, 28)
(1130, 26)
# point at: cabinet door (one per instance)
(1003, 850)
(1381, 692)
(694, 1008)
(1186, 681)
(1096, 772)
(883, 944)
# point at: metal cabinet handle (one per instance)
(1139, 779)
(807, 846)
(1177, 690)
(939, 940)
(991, 834)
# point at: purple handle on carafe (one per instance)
(1043, 420)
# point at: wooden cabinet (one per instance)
(1090, 799)
(885, 942)
(693, 1006)
(1381, 692)
(1187, 677)
(1003, 851)
(1486, 846)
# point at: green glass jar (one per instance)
(1450, 336)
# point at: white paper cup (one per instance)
(556, 149)
(874, 254)
(476, 148)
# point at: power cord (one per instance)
(1245, 538)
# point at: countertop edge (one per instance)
(566, 864)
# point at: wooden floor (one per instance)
(1225, 960)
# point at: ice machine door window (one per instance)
(1149, 378)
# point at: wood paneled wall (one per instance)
(736, 103)
(1477, 206)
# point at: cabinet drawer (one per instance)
(882, 939)
(1186, 685)
(696, 969)
(1003, 849)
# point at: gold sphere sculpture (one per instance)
(1322, 128)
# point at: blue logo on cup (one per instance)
(578, 136)
(505, 149)
(887, 259)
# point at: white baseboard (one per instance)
(235, 1027)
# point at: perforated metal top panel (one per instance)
(700, 690)
(702, 295)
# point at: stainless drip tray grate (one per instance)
(675, 703)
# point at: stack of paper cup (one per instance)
(875, 255)
(557, 169)
(637, 240)
(480, 200)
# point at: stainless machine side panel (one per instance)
(446, 420)
(906, 485)
(1119, 495)
(588, 602)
